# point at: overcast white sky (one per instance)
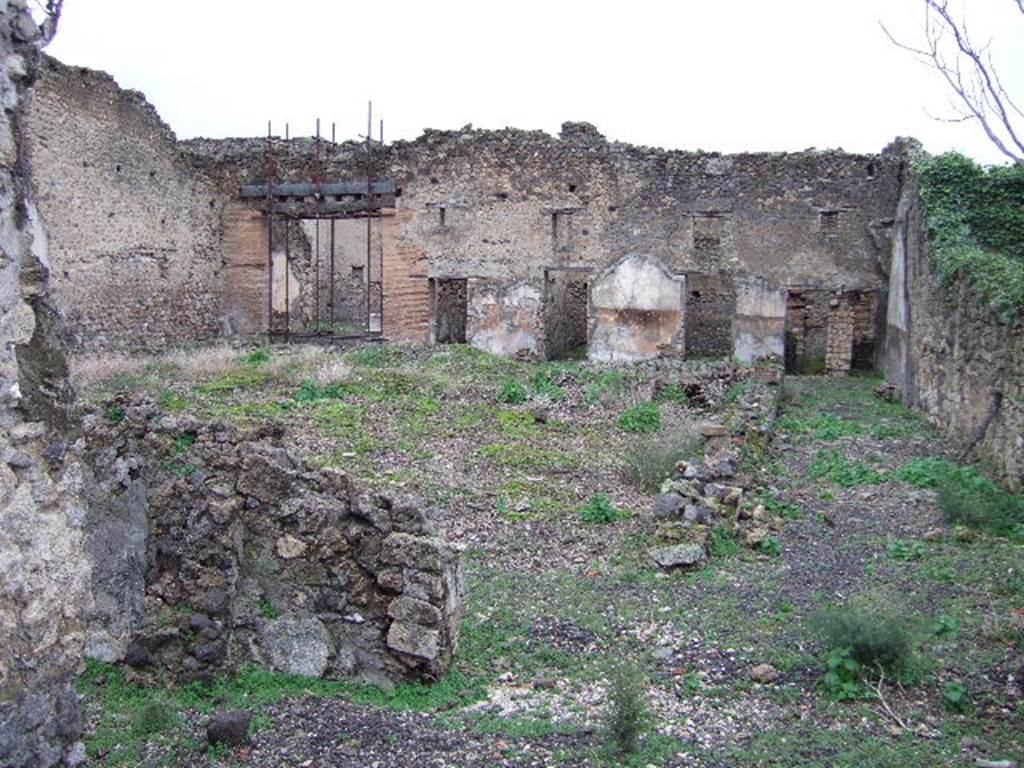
(728, 75)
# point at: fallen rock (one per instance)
(712, 429)
(678, 556)
(229, 726)
(764, 674)
(667, 505)
(290, 547)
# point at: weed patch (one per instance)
(600, 510)
(833, 466)
(645, 417)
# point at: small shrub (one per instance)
(782, 508)
(771, 547)
(600, 510)
(673, 393)
(723, 543)
(906, 550)
(946, 627)
(955, 698)
(627, 716)
(259, 357)
(876, 638)
(645, 417)
(182, 443)
(267, 609)
(512, 391)
(605, 383)
(543, 385)
(966, 497)
(115, 414)
(649, 460)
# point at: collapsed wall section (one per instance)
(135, 231)
(234, 552)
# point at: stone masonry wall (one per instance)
(496, 207)
(43, 572)
(233, 551)
(135, 231)
(952, 356)
(518, 202)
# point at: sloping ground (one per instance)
(554, 604)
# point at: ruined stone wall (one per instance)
(135, 231)
(43, 572)
(139, 232)
(501, 207)
(951, 355)
(230, 550)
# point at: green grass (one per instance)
(523, 456)
(833, 466)
(243, 378)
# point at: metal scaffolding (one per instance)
(287, 204)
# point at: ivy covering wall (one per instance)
(975, 221)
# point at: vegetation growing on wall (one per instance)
(975, 221)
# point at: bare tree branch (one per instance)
(971, 76)
(49, 25)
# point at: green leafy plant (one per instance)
(946, 627)
(833, 466)
(723, 543)
(600, 510)
(645, 417)
(966, 497)
(673, 393)
(606, 382)
(259, 357)
(152, 718)
(781, 508)
(975, 226)
(906, 550)
(267, 609)
(771, 547)
(955, 698)
(843, 673)
(512, 391)
(114, 414)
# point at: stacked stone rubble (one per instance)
(251, 556)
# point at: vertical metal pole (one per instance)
(270, 234)
(287, 282)
(380, 258)
(369, 195)
(330, 298)
(316, 239)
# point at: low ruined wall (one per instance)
(952, 356)
(233, 552)
(43, 572)
(134, 230)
